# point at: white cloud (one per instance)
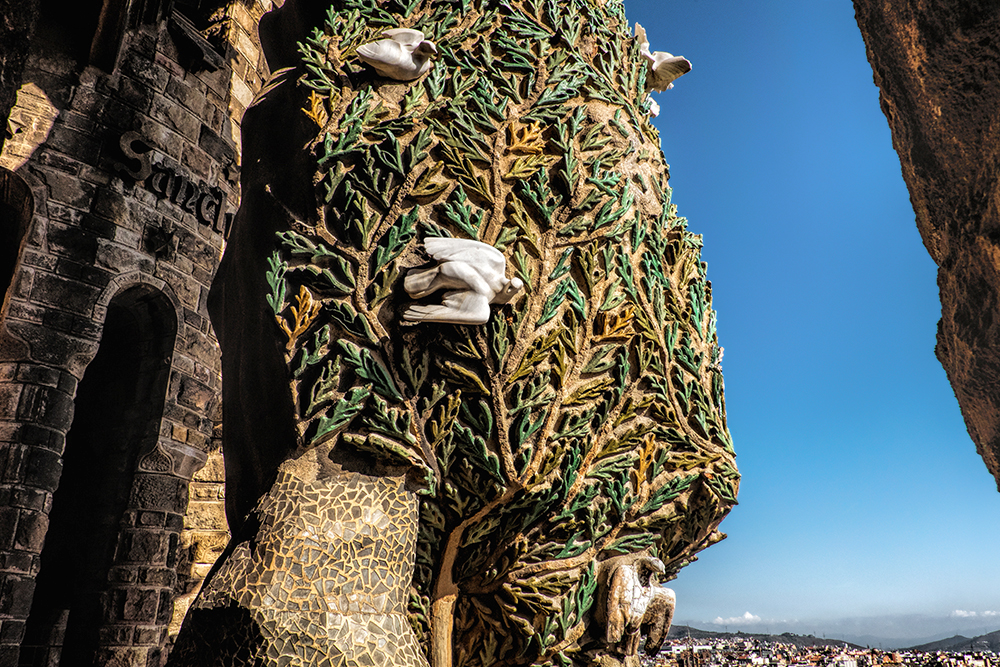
(745, 619)
(959, 613)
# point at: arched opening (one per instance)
(16, 208)
(118, 408)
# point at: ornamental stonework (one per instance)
(539, 426)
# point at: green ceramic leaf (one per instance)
(340, 414)
(276, 281)
(396, 238)
(369, 368)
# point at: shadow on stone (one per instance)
(226, 637)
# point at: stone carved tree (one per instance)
(585, 420)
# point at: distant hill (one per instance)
(943, 644)
(681, 631)
(988, 642)
(956, 644)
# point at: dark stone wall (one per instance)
(137, 231)
(16, 28)
(937, 66)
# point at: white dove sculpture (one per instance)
(664, 67)
(403, 54)
(473, 272)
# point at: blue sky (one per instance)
(862, 494)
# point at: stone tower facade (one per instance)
(118, 178)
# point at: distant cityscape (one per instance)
(788, 650)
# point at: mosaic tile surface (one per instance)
(324, 580)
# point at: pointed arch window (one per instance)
(117, 413)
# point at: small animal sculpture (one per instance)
(403, 54)
(474, 274)
(664, 67)
(636, 601)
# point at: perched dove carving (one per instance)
(636, 600)
(474, 274)
(403, 54)
(664, 67)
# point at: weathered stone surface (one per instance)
(15, 595)
(43, 469)
(216, 146)
(44, 405)
(31, 527)
(143, 547)
(15, 35)
(937, 66)
(160, 492)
